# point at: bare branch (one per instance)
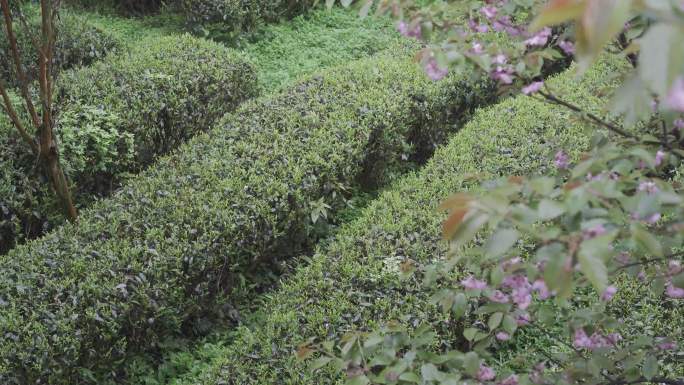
(14, 117)
(23, 81)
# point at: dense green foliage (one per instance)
(78, 43)
(150, 261)
(321, 39)
(117, 116)
(357, 277)
(126, 7)
(230, 17)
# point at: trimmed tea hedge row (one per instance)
(151, 260)
(241, 15)
(128, 7)
(117, 116)
(79, 43)
(354, 282)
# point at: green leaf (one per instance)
(470, 333)
(549, 209)
(460, 303)
(501, 242)
(509, 324)
(661, 57)
(429, 372)
(591, 256)
(543, 185)
(557, 12)
(495, 320)
(646, 241)
(650, 366)
(678, 280)
(410, 377)
(632, 101)
(319, 363)
(471, 363)
(469, 227)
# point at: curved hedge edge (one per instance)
(355, 279)
(152, 260)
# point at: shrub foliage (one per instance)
(118, 115)
(151, 260)
(79, 43)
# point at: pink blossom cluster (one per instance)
(582, 341)
(675, 98)
(540, 38)
(405, 29)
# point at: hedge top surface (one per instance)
(355, 279)
(115, 117)
(164, 90)
(150, 261)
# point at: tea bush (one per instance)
(206, 222)
(79, 43)
(118, 115)
(234, 16)
(355, 281)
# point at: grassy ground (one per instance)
(282, 52)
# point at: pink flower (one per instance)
(567, 46)
(485, 373)
(540, 38)
(516, 281)
(403, 29)
(489, 11)
(594, 231)
(653, 218)
(648, 187)
(480, 28)
(654, 105)
(562, 160)
(500, 59)
(507, 264)
(510, 380)
(675, 98)
(660, 156)
(666, 345)
(537, 374)
(434, 71)
(471, 283)
(614, 338)
(623, 258)
(608, 293)
(674, 267)
(498, 297)
(674, 292)
(503, 336)
(532, 88)
(522, 297)
(679, 124)
(477, 48)
(540, 287)
(598, 341)
(522, 319)
(581, 340)
(503, 75)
